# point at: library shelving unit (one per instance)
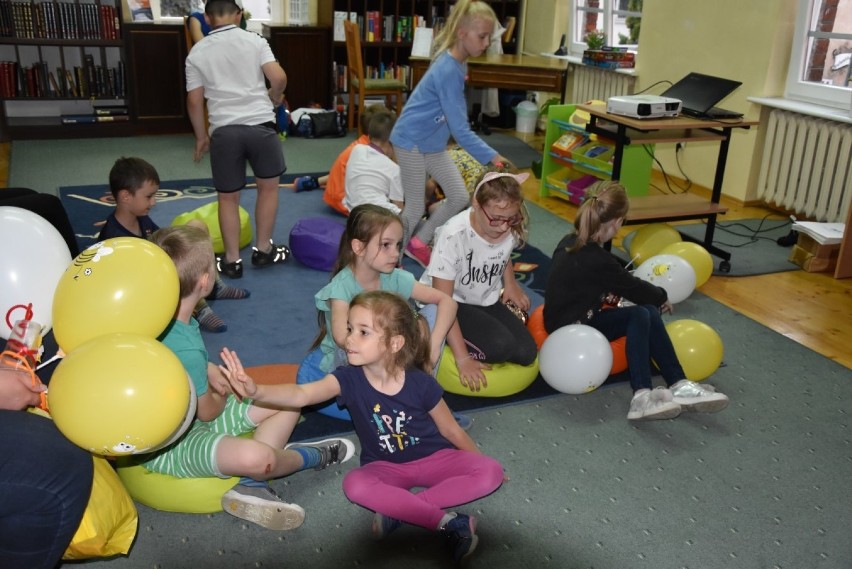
(61, 58)
(387, 28)
(572, 160)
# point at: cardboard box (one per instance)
(810, 262)
(817, 249)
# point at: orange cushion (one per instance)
(335, 186)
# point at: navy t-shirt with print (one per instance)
(394, 428)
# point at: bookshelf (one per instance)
(61, 58)
(388, 30)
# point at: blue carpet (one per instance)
(278, 323)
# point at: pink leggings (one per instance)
(450, 477)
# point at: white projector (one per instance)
(643, 106)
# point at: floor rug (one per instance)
(277, 324)
(46, 165)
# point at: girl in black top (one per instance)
(586, 286)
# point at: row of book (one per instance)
(83, 81)
(377, 28)
(59, 20)
(382, 71)
(610, 58)
(108, 113)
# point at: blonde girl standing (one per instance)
(435, 111)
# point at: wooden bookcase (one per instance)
(386, 52)
(305, 53)
(60, 57)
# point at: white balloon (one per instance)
(671, 272)
(33, 257)
(575, 359)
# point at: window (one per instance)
(619, 20)
(821, 58)
(256, 9)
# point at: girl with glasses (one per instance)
(472, 262)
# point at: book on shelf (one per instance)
(110, 110)
(509, 26)
(422, 44)
(339, 32)
(822, 233)
(92, 119)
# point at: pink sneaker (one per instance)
(419, 251)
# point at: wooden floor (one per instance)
(812, 309)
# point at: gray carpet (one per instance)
(45, 165)
(763, 484)
(751, 243)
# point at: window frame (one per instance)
(807, 91)
(608, 10)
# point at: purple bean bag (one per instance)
(314, 242)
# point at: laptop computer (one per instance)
(698, 93)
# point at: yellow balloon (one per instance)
(650, 240)
(119, 394)
(694, 254)
(698, 347)
(125, 284)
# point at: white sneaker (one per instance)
(648, 405)
(698, 397)
(259, 504)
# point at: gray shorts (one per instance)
(233, 145)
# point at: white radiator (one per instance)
(807, 165)
(591, 83)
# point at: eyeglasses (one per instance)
(513, 221)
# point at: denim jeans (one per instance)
(45, 482)
(647, 340)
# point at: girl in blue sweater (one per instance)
(435, 111)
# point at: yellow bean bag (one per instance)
(209, 214)
(503, 379)
(171, 494)
(191, 495)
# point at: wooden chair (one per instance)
(359, 86)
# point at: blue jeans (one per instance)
(45, 482)
(647, 340)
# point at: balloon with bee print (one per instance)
(124, 284)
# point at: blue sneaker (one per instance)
(254, 501)
(383, 526)
(464, 421)
(460, 535)
(305, 184)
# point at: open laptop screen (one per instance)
(698, 93)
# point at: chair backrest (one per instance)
(187, 35)
(353, 52)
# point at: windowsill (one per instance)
(810, 109)
(573, 59)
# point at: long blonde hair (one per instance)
(462, 14)
(604, 202)
(393, 316)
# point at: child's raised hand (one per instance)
(242, 384)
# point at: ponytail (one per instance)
(604, 202)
